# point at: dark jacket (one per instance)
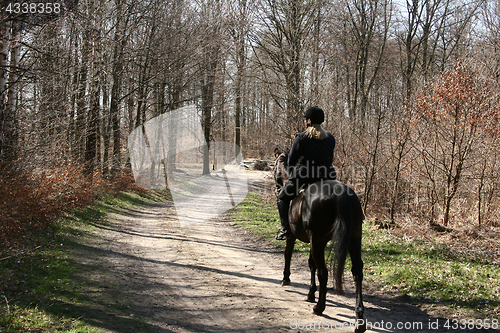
(312, 159)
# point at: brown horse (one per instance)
(326, 210)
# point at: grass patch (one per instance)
(426, 272)
(262, 219)
(432, 273)
(39, 291)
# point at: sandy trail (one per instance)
(215, 277)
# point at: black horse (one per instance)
(326, 210)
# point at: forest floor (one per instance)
(216, 277)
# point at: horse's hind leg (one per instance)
(290, 243)
(318, 254)
(312, 287)
(357, 272)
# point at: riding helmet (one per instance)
(316, 115)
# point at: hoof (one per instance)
(317, 310)
(285, 283)
(310, 298)
(360, 329)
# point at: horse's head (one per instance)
(280, 169)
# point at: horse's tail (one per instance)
(340, 247)
(348, 211)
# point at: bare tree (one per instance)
(456, 111)
(283, 43)
(369, 22)
(211, 27)
(433, 31)
(8, 118)
(120, 40)
(240, 28)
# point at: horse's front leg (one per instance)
(312, 287)
(290, 243)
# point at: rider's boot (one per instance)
(284, 233)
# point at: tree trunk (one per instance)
(207, 98)
(92, 129)
(372, 169)
(4, 49)
(175, 98)
(81, 105)
(92, 146)
(92, 134)
(10, 119)
(241, 62)
(120, 42)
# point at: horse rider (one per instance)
(310, 160)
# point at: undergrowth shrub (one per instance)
(30, 201)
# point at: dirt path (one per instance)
(214, 277)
